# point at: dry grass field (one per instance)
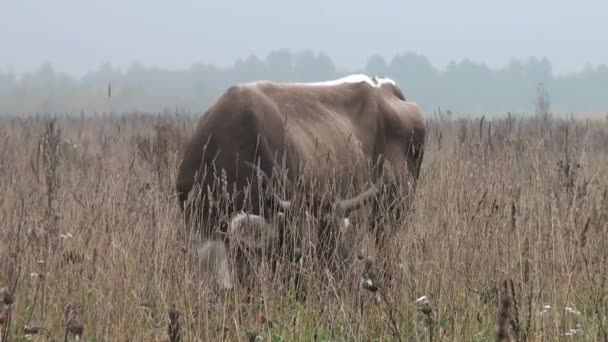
(507, 237)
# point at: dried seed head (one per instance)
(72, 310)
(501, 334)
(424, 305)
(31, 330)
(369, 285)
(75, 327)
(162, 336)
(7, 297)
(505, 301)
(369, 280)
(253, 337)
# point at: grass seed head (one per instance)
(7, 297)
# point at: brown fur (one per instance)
(333, 132)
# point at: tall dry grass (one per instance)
(507, 239)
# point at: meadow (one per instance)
(507, 238)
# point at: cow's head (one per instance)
(253, 232)
(327, 217)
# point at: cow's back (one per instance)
(331, 132)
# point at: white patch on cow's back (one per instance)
(374, 81)
(354, 78)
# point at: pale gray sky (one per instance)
(79, 36)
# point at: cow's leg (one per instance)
(385, 214)
(385, 207)
(299, 282)
(393, 203)
(414, 164)
(397, 202)
(398, 186)
(208, 251)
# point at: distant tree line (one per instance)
(464, 87)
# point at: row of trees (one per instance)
(464, 87)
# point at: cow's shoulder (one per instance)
(402, 117)
(241, 93)
(242, 102)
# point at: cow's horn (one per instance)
(348, 205)
(284, 204)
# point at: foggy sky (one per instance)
(79, 36)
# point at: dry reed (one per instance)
(89, 221)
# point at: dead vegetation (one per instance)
(506, 240)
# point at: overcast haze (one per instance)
(79, 36)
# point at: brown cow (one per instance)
(337, 135)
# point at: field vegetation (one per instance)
(506, 238)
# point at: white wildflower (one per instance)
(572, 311)
(422, 300)
(545, 309)
(572, 332)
